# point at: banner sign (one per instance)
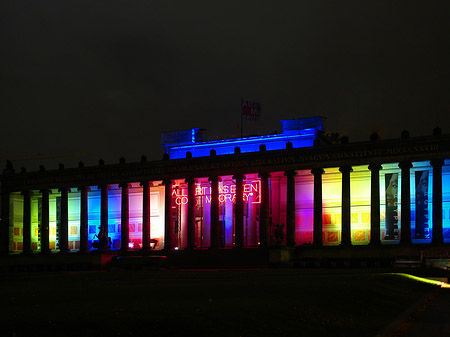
(250, 110)
(391, 226)
(422, 229)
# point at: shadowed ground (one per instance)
(296, 302)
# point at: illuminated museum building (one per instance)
(289, 189)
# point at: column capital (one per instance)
(45, 191)
(292, 173)
(27, 192)
(405, 165)
(238, 176)
(437, 162)
(264, 175)
(167, 182)
(123, 185)
(84, 188)
(190, 181)
(214, 178)
(345, 169)
(317, 171)
(145, 183)
(64, 189)
(104, 186)
(375, 167)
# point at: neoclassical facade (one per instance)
(294, 190)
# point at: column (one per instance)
(264, 210)
(168, 223)
(84, 218)
(290, 208)
(215, 239)
(45, 222)
(103, 239)
(26, 222)
(375, 204)
(346, 231)
(5, 223)
(124, 218)
(318, 225)
(437, 237)
(145, 215)
(405, 237)
(239, 212)
(191, 213)
(64, 225)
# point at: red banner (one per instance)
(250, 110)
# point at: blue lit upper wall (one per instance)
(300, 132)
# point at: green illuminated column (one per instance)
(405, 224)
(124, 218)
(103, 235)
(318, 226)
(264, 210)
(26, 222)
(375, 204)
(84, 218)
(45, 222)
(437, 201)
(191, 213)
(168, 224)
(214, 212)
(145, 215)
(5, 222)
(346, 231)
(64, 225)
(239, 212)
(290, 208)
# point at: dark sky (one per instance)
(102, 79)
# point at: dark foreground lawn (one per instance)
(204, 303)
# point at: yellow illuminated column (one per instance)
(375, 204)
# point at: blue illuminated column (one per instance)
(239, 213)
(64, 225)
(375, 204)
(318, 226)
(346, 232)
(405, 237)
(264, 211)
(83, 218)
(438, 237)
(290, 208)
(214, 212)
(103, 216)
(45, 222)
(168, 223)
(26, 222)
(124, 220)
(145, 215)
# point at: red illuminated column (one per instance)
(318, 226)
(191, 213)
(168, 224)
(346, 232)
(5, 222)
(145, 215)
(45, 222)
(438, 237)
(64, 225)
(83, 218)
(264, 210)
(104, 215)
(26, 222)
(405, 224)
(124, 221)
(290, 208)
(375, 204)
(214, 212)
(239, 212)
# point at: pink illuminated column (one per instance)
(168, 224)
(405, 237)
(346, 232)
(264, 211)
(45, 222)
(26, 222)
(64, 225)
(191, 213)
(83, 218)
(438, 237)
(124, 221)
(290, 208)
(318, 226)
(145, 215)
(214, 212)
(375, 204)
(239, 212)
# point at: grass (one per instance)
(204, 303)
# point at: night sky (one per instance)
(83, 80)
